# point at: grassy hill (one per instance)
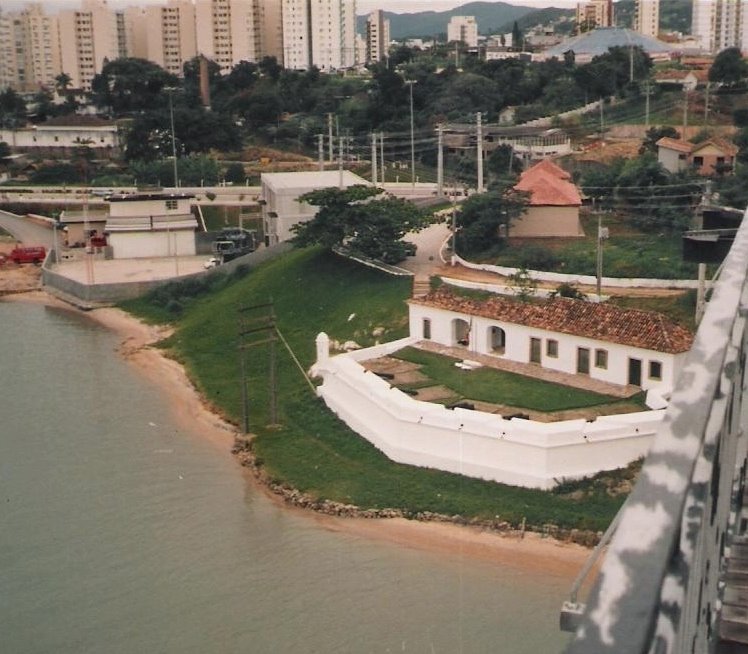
(313, 451)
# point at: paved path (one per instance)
(26, 231)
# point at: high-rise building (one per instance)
(720, 24)
(377, 37)
(29, 49)
(319, 33)
(163, 34)
(88, 39)
(595, 13)
(463, 28)
(647, 17)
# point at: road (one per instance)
(27, 231)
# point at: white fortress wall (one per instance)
(473, 443)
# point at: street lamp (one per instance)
(170, 90)
(410, 83)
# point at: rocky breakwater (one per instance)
(244, 452)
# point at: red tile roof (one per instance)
(721, 144)
(675, 144)
(603, 322)
(549, 185)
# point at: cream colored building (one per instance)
(319, 33)
(647, 17)
(595, 13)
(720, 24)
(463, 28)
(377, 37)
(29, 49)
(88, 37)
(165, 35)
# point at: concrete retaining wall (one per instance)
(517, 452)
(587, 280)
(112, 293)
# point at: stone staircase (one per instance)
(421, 286)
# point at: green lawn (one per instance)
(313, 451)
(500, 387)
(627, 253)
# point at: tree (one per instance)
(516, 37)
(12, 109)
(235, 173)
(729, 67)
(131, 85)
(481, 216)
(5, 152)
(359, 218)
(654, 134)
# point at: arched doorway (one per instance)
(460, 332)
(496, 340)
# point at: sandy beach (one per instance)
(533, 551)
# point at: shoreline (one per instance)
(444, 535)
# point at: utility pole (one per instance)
(440, 161)
(631, 64)
(511, 157)
(602, 233)
(264, 328)
(706, 104)
(170, 91)
(381, 153)
(374, 158)
(685, 111)
(321, 151)
(602, 120)
(646, 107)
(329, 137)
(340, 163)
(410, 83)
(479, 152)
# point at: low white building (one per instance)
(144, 225)
(64, 135)
(602, 341)
(280, 194)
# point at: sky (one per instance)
(362, 6)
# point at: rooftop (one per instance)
(647, 330)
(312, 179)
(600, 40)
(549, 185)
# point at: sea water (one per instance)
(120, 532)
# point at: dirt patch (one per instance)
(16, 278)
(434, 393)
(589, 413)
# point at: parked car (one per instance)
(32, 254)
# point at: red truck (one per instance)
(34, 254)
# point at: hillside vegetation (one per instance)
(312, 450)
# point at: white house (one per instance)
(605, 342)
(280, 194)
(64, 134)
(142, 225)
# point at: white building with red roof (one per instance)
(603, 341)
(553, 209)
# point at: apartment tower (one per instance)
(29, 49)
(319, 33)
(720, 24)
(377, 37)
(464, 29)
(647, 17)
(595, 13)
(88, 39)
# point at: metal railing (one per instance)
(661, 585)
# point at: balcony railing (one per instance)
(661, 587)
